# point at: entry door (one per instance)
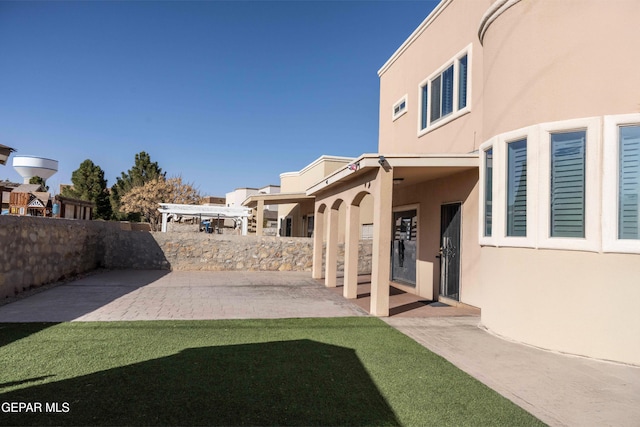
(450, 251)
(403, 256)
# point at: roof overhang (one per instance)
(407, 168)
(276, 199)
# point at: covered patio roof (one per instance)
(275, 199)
(407, 168)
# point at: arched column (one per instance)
(331, 257)
(351, 243)
(318, 238)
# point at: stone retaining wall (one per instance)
(36, 251)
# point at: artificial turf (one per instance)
(336, 371)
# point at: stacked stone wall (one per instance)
(36, 251)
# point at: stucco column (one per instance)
(164, 222)
(245, 225)
(318, 238)
(259, 217)
(380, 269)
(331, 259)
(352, 239)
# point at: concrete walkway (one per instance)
(560, 390)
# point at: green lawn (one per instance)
(340, 371)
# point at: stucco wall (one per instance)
(552, 60)
(37, 251)
(454, 30)
(428, 198)
(571, 301)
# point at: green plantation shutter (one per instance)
(568, 155)
(425, 100)
(447, 91)
(517, 188)
(462, 83)
(629, 183)
(488, 191)
(436, 89)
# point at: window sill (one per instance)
(443, 121)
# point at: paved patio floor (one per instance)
(561, 390)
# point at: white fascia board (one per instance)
(203, 210)
(364, 161)
(316, 162)
(368, 161)
(423, 26)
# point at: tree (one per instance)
(143, 171)
(144, 199)
(89, 184)
(41, 181)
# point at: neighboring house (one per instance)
(213, 201)
(296, 208)
(5, 189)
(266, 216)
(67, 207)
(29, 200)
(508, 174)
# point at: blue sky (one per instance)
(225, 94)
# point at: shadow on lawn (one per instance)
(10, 332)
(298, 382)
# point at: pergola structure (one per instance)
(202, 210)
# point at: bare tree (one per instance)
(144, 199)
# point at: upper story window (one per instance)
(400, 107)
(445, 94)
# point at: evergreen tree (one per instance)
(143, 171)
(89, 184)
(41, 181)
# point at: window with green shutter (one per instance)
(488, 191)
(517, 188)
(629, 182)
(568, 156)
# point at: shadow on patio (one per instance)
(403, 304)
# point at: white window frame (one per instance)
(499, 203)
(457, 112)
(394, 115)
(500, 162)
(592, 237)
(610, 182)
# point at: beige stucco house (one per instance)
(296, 208)
(508, 173)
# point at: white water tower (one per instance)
(30, 166)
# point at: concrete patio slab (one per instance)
(163, 295)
